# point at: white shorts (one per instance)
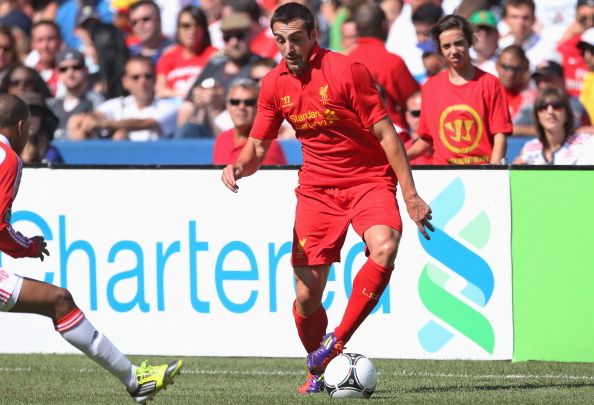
(10, 287)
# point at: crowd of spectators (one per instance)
(142, 70)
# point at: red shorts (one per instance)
(323, 216)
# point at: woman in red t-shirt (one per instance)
(182, 63)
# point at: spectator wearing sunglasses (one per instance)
(557, 143)
(78, 98)
(181, 64)
(513, 69)
(572, 59)
(235, 62)
(413, 114)
(20, 78)
(138, 117)
(242, 100)
(145, 20)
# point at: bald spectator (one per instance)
(387, 69)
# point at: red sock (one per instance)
(311, 328)
(368, 286)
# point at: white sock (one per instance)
(80, 333)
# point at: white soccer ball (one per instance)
(350, 375)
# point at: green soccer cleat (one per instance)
(152, 379)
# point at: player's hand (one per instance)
(420, 213)
(231, 174)
(39, 247)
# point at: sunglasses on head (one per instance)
(141, 19)
(239, 35)
(147, 76)
(64, 69)
(557, 106)
(248, 102)
(415, 113)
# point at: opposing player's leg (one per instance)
(32, 296)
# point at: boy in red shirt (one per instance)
(465, 113)
(352, 159)
(22, 294)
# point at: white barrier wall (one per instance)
(170, 262)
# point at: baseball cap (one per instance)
(585, 3)
(484, 18)
(548, 68)
(587, 38)
(236, 21)
(85, 13)
(70, 54)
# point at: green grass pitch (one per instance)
(76, 380)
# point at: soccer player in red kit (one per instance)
(22, 294)
(465, 113)
(352, 159)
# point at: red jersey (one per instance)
(11, 241)
(226, 151)
(461, 120)
(180, 71)
(574, 67)
(390, 72)
(331, 107)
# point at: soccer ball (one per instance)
(350, 375)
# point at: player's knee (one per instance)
(63, 302)
(384, 250)
(307, 302)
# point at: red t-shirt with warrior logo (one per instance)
(331, 106)
(461, 120)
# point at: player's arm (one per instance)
(418, 148)
(499, 148)
(249, 161)
(418, 210)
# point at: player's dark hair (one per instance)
(294, 11)
(553, 94)
(12, 110)
(370, 21)
(452, 22)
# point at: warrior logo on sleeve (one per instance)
(460, 128)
